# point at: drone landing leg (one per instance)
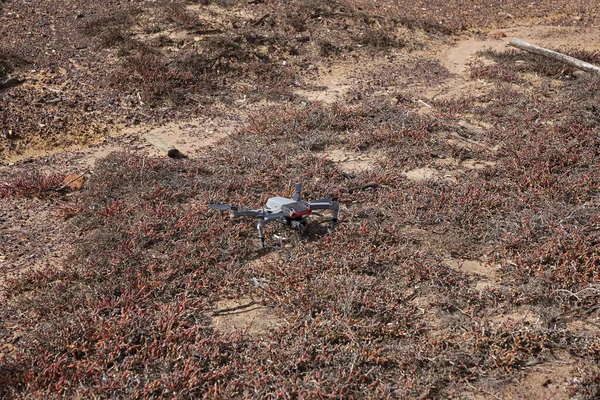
(334, 217)
(261, 235)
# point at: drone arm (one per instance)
(249, 213)
(268, 218)
(235, 212)
(330, 203)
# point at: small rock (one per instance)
(174, 153)
(311, 67)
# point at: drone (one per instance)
(291, 212)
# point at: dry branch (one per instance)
(71, 181)
(572, 61)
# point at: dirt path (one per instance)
(458, 58)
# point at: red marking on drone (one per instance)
(295, 214)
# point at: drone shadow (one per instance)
(280, 238)
(316, 230)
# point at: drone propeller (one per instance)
(297, 194)
(222, 207)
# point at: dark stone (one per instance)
(174, 153)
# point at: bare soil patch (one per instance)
(472, 267)
(243, 314)
(188, 137)
(421, 174)
(330, 85)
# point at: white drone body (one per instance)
(274, 204)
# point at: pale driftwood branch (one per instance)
(572, 61)
(425, 104)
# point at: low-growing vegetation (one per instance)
(467, 253)
(130, 312)
(33, 184)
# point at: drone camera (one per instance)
(298, 224)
